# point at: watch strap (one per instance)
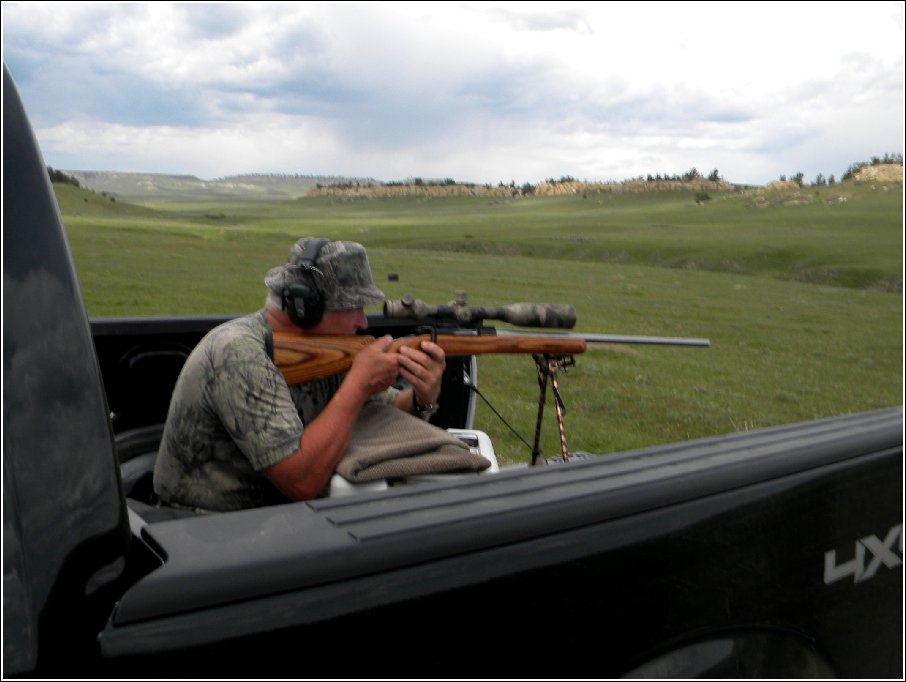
(427, 409)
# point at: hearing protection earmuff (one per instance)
(304, 301)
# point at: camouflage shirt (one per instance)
(231, 416)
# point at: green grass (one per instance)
(801, 295)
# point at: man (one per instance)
(237, 436)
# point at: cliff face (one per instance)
(382, 191)
(544, 189)
(884, 172)
(576, 187)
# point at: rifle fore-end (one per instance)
(303, 357)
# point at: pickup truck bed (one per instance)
(722, 540)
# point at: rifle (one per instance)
(301, 357)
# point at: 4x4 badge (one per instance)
(882, 552)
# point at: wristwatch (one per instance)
(423, 410)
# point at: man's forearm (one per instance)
(305, 473)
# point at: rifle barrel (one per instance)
(615, 338)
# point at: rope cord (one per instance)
(499, 416)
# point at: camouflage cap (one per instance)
(345, 278)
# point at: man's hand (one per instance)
(373, 369)
(423, 369)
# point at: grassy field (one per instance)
(799, 292)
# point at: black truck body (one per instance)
(772, 553)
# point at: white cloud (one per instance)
(477, 91)
(292, 144)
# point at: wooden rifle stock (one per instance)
(303, 357)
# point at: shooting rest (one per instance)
(548, 366)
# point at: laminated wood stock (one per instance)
(303, 357)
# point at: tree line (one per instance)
(59, 177)
(693, 174)
(820, 180)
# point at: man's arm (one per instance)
(303, 474)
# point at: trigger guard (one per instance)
(428, 330)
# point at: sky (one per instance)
(482, 92)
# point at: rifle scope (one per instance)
(552, 316)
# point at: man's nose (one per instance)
(362, 321)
